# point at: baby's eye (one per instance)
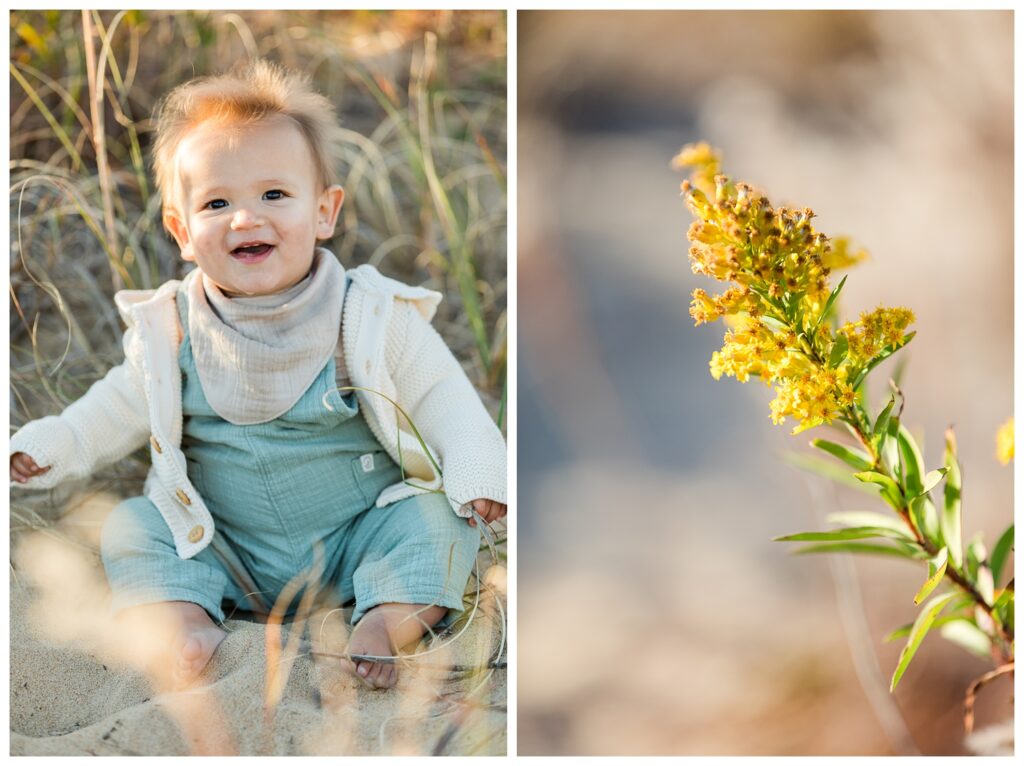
(216, 204)
(273, 194)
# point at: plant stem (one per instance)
(927, 545)
(857, 421)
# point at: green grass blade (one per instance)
(58, 130)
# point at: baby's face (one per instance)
(251, 208)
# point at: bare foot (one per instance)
(381, 632)
(194, 637)
(196, 642)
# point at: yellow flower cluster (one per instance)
(874, 331)
(1004, 442)
(779, 266)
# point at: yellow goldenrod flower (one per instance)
(705, 162)
(1004, 442)
(779, 266)
(874, 331)
(841, 257)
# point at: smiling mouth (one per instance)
(251, 252)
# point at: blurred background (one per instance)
(655, 614)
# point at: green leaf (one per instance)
(899, 550)
(775, 324)
(1004, 607)
(913, 464)
(985, 584)
(950, 522)
(881, 356)
(889, 489)
(887, 447)
(838, 353)
(870, 519)
(969, 636)
(826, 468)
(936, 571)
(920, 629)
(932, 479)
(854, 458)
(763, 295)
(904, 630)
(882, 421)
(850, 533)
(926, 518)
(999, 554)
(828, 305)
(976, 554)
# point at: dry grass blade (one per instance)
(972, 693)
(280, 660)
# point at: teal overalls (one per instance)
(275, 490)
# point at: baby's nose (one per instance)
(245, 219)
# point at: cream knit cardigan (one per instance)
(389, 347)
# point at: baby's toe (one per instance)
(363, 669)
(191, 649)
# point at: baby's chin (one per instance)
(257, 290)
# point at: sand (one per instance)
(74, 690)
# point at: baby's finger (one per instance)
(487, 511)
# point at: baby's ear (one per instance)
(329, 206)
(177, 228)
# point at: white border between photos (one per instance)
(512, 7)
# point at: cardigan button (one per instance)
(156, 444)
(196, 534)
(182, 497)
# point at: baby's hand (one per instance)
(24, 468)
(489, 510)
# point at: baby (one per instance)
(263, 382)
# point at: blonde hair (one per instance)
(260, 91)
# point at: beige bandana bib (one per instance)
(256, 356)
